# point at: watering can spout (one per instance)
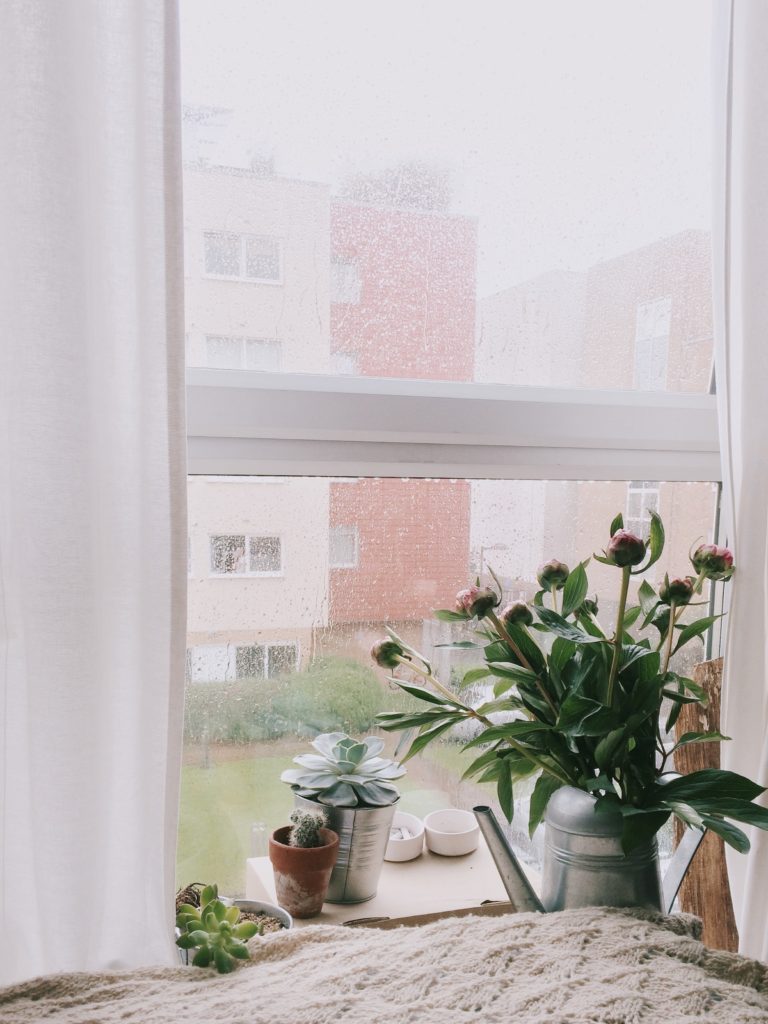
(513, 877)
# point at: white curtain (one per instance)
(92, 483)
(741, 317)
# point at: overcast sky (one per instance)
(575, 129)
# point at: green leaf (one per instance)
(502, 704)
(505, 792)
(460, 645)
(709, 783)
(507, 730)
(631, 615)
(203, 957)
(486, 758)
(640, 827)
(545, 786)
(574, 591)
(693, 629)
(423, 694)
(607, 747)
(509, 670)
(444, 615)
(655, 542)
(240, 952)
(208, 895)
(246, 930)
(557, 625)
(729, 833)
(224, 962)
(740, 810)
(561, 653)
(647, 597)
(580, 716)
(699, 737)
(424, 738)
(393, 721)
(617, 524)
(527, 645)
(474, 674)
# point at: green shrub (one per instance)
(332, 694)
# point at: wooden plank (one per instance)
(705, 891)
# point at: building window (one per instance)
(228, 556)
(345, 282)
(265, 661)
(652, 344)
(242, 257)
(344, 362)
(642, 499)
(343, 547)
(224, 353)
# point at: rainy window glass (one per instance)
(275, 660)
(538, 217)
(242, 353)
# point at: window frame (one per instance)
(356, 539)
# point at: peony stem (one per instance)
(618, 640)
(670, 637)
(508, 640)
(553, 591)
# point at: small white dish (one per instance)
(399, 849)
(451, 832)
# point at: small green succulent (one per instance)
(213, 930)
(345, 772)
(305, 831)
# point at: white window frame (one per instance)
(248, 574)
(242, 343)
(641, 525)
(267, 646)
(242, 276)
(244, 422)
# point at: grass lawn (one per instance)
(220, 803)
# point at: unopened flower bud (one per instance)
(476, 601)
(714, 562)
(552, 573)
(517, 614)
(679, 590)
(589, 606)
(386, 653)
(625, 548)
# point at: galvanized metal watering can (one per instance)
(584, 864)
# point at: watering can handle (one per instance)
(678, 866)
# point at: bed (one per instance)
(589, 965)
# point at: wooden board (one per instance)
(705, 890)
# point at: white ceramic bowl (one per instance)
(406, 849)
(451, 832)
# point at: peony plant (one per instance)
(577, 705)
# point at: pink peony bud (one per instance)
(714, 562)
(679, 590)
(476, 601)
(386, 653)
(625, 548)
(517, 614)
(552, 573)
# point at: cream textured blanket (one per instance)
(579, 967)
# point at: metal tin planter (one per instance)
(363, 835)
(584, 864)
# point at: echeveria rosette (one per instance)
(345, 772)
(583, 709)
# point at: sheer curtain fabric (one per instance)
(92, 483)
(741, 316)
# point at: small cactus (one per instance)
(305, 831)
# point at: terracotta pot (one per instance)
(302, 875)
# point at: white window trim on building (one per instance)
(347, 531)
(649, 492)
(247, 573)
(242, 276)
(226, 655)
(242, 344)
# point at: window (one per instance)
(652, 344)
(244, 257)
(484, 365)
(228, 556)
(242, 353)
(345, 281)
(343, 547)
(642, 498)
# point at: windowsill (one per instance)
(244, 280)
(245, 575)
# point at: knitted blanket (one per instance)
(592, 966)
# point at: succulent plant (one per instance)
(213, 930)
(345, 772)
(306, 828)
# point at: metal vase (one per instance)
(584, 864)
(363, 835)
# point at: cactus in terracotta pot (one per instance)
(303, 855)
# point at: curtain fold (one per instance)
(741, 356)
(92, 483)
